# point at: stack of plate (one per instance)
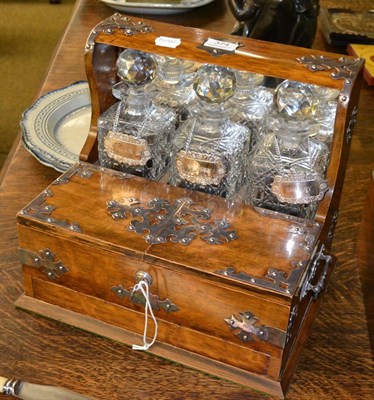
(55, 127)
(155, 7)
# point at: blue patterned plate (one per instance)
(55, 127)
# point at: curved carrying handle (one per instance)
(318, 287)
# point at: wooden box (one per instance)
(234, 290)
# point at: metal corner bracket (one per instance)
(342, 68)
(80, 169)
(45, 260)
(247, 329)
(41, 211)
(117, 22)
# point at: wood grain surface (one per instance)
(336, 362)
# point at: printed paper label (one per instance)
(165, 41)
(220, 44)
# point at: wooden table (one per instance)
(336, 362)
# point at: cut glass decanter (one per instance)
(251, 103)
(288, 166)
(326, 113)
(133, 134)
(173, 85)
(210, 153)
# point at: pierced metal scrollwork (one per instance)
(138, 298)
(79, 169)
(351, 125)
(293, 315)
(275, 279)
(342, 68)
(283, 282)
(180, 222)
(38, 210)
(117, 21)
(334, 221)
(308, 231)
(45, 260)
(247, 329)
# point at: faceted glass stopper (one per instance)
(296, 99)
(136, 68)
(248, 79)
(214, 84)
(172, 69)
(326, 94)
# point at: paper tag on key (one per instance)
(165, 41)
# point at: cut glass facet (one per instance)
(296, 99)
(251, 103)
(326, 113)
(215, 84)
(136, 68)
(220, 131)
(210, 153)
(287, 170)
(173, 85)
(133, 135)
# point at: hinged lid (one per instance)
(177, 229)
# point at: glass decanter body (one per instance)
(326, 113)
(133, 134)
(173, 85)
(210, 153)
(287, 170)
(251, 103)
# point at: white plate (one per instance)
(155, 8)
(55, 127)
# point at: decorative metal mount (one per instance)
(246, 329)
(138, 298)
(45, 261)
(293, 315)
(351, 125)
(282, 282)
(180, 222)
(308, 231)
(12, 387)
(117, 21)
(79, 169)
(333, 223)
(307, 286)
(278, 280)
(275, 279)
(42, 212)
(342, 68)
